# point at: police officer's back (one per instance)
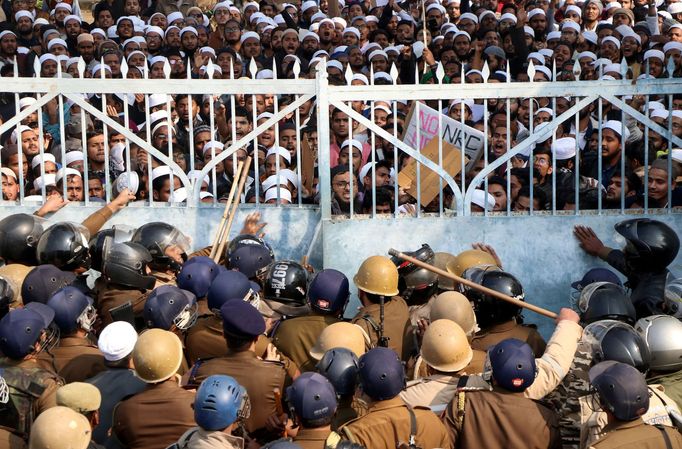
(384, 316)
(242, 324)
(162, 412)
(389, 421)
(76, 357)
(24, 333)
(340, 367)
(503, 418)
(312, 401)
(623, 394)
(326, 296)
(85, 399)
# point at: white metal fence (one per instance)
(393, 123)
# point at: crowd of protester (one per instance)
(75, 155)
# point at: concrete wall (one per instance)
(540, 250)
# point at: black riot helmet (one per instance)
(19, 235)
(489, 310)
(615, 340)
(286, 282)
(340, 367)
(651, 245)
(126, 264)
(158, 237)
(117, 233)
(417, 285)
(605, 301)
(64, 245)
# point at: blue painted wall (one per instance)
(541, 250)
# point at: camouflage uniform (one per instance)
(565, 399)
(672, 382)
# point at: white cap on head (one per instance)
(41, 159)
(283, 152)
(617, 127)
(117, 340)
(483, 199)
(64, 172)
(284, 194)
(564, 148)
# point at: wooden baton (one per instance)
(242, 180)
(468, 283)
(220, 235)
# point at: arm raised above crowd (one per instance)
(96, 220)
(555, 363)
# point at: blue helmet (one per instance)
(21, 329)
(381, 374)
(513, 364)
(169, 306)
(313, 399)
(621, 388)
(228, 285)
(200, 259)
(328, 292)
(42, 281)
(72, 310)
(252, 260)
(340, 367)
(219, 402)
(197, 277)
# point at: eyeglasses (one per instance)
(231, 29)
(342, 184)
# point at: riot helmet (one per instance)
(197, 277)
(615, 340)
(169, 307)
(490, 310)
(246, 240)
(157, 355)
(126, 264)
(166, 244)
(313, 399)
(28, 330)
(663, 336)
(441, 260)
(219, 402)
(19, 236)
(252, 260)
(116, 234)
(72, 310)
(328, 292)
(42, 281)
(673, 297)
(60, 428)
(286, 282)
(445, 347)
(512, 364)
(64, 245)
(377, 275)
(621, 389)
(456, 307)
(229, 285)
(605, 301)
(340, 367)
(651, 244)
(470, 258)
(381, 374)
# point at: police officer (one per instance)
(663, 336)
(499, 320)
(384, 316)
(65, 245)
(622, 392)
(503, 417)
(76, 357)
(341, 335)
(122, 289)
(327, 297)
(441, 260)
(24, 334)
(591, 276)
(340, 367)
(15, 274)
(390, 422)
(416, 285)
(471, 258)
(170, 308)
(252, 259)
(650, 247)
(205, 339)
(605, 301)
(220, 408)
(312, 401)
(242, 324)
(84, 399)
(19, 235)
(196, 276)
(42, 281)
(284, 289)
(162, 412)
(116, 341)
(60, 428)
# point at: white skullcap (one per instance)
(26, 101)
(195, 176)
(545, 70)
(189, 29)
(528, 30)
(564, 148)
(56, 41)
(283, 152)
(586, 54)
(41, 159)
(45, 181)
(575, 9)
(672, 46)
(212, 145)
(658, 54)
(308, 4)
(117, 340)
(72, 17)
(249, 35)
(73, 156)
(339, 21)
(284, 194)
(23, 13)
(553, 35)
(535, 12)
(178, 195)
(611, 39)
(571, 25)
(175, 15)
(483, 199)
(356, 143)
(64, 172)
(164, 125)
(591, 37)
(8, 172)
(383, 76)
(14, 137)
(265, 74)
(468, 16)
(63, 5)
(360, 77)
(353, 31)
(617, 127)
(334, 64)
(274, 180)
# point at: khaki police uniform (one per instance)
(486, 338)
(295, 336)
(388, 423)
(500, 419)
(638, 435)
(312, 438)
(110, 296)
(396, 322)
(75, 359)
(259, 377)
(154, 418)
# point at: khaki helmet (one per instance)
(470, 258)
(339, 335)
(377, 275)
(441, 260)
(15, 273)
(454, 306)
(157, 355)
(60, 428)
(445, 347)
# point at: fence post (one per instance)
(323, 143)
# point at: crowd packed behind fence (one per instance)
(556, 106)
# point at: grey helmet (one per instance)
(673, 297)
(663, 336)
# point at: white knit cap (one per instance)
(117, 340)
